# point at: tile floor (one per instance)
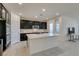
(50, 52)
(19, 49)
(65, 47)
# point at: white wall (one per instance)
(15, 28)
(69, 22)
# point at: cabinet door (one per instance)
(43, 25)
(40, 25)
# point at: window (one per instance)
(57, 25)
(57, 28)
(51, 27)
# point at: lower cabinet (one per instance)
(23, 37)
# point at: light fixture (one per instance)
(43, 10)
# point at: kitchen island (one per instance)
(40, 42)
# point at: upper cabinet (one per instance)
(43, 25)
(26, 24)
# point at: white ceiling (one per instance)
(29, 10)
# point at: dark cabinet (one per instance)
(23, 37)
(26, 24)
(43, 25)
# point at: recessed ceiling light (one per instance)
(20, 3)
(57, 14)
(20, 14)
(44, 10)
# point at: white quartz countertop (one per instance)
(42, 35)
